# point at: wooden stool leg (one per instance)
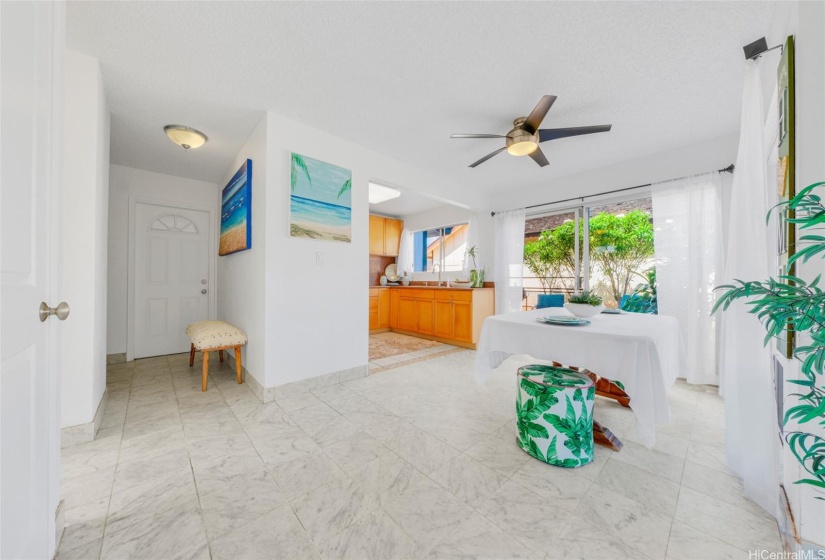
(238, 366)
(220, 355)
(192, 355)
(205, 369)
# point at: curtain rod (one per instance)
(728, 169)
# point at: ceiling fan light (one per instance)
(524, 148)
(184, 136)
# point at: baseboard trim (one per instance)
(84, 433)
(280, 392)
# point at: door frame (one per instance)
(134, 200)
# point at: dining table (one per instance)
(642, 352)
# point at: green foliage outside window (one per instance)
(619, 245)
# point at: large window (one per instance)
(443, 247)
(606, 249)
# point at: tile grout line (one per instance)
(268, 470)
(117, 461)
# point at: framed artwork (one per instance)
(320, 204)
(236, 212)
(786, 169)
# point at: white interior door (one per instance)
(171, 277)
(30, 101)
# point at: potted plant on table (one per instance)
(476, 275)
(584, 304)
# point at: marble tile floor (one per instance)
(417, 462)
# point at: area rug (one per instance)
(388, 344)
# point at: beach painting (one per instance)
(320, 200)
(236, 212)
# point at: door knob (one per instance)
(203, 281)
(203, 291)
(61, 311)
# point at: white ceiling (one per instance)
(401, 77)
(410, 202)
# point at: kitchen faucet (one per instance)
(439, 272)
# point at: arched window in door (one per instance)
(174, 223)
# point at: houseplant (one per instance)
(476, 275)
(644, 298)
(791, 302)
(584, 304)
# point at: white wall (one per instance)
(123, 182)
(85, 206)
(709, 155)
(242, 275)
(314, 316)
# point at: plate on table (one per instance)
(609, 311)
(561, 320)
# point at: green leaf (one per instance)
(536, 430)
(298, 163)
(345, 187)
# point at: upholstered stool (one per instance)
(211, 336)
(554, 415)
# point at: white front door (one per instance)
(171, 276)
(31, 49)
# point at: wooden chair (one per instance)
(212, 336)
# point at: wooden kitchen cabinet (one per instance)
(426, 316)
(376, 235)
(383, 308)
(392, 237)
(453, 316)
(385, 236)
(379, 309)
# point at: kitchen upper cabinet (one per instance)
(392, 237)
(385, 236)
(376, 235)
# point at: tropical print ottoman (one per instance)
(554, 414)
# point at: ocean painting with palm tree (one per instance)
(320, 202)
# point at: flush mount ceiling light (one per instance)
(184, 136)
(380, 193)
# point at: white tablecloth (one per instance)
(642, 351)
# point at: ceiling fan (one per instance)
(524, 138)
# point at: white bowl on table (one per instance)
(583, 309)
(458, 284)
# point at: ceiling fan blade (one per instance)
(531, 124)
(477, 136)
(488, 156)
(556, 133)
(539, 157)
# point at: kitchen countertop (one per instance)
(422, 287)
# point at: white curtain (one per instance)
(751, 443)
(688, 247)
(509, 259)
(406, 254)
